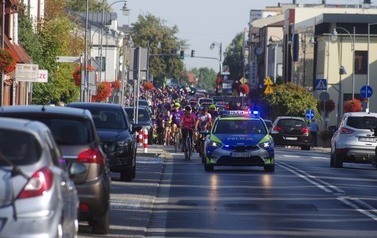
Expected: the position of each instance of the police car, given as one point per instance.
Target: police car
(239, 138)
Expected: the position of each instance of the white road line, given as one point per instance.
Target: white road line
(320, 157)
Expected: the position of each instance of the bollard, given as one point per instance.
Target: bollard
(145, 142)
(140, 138)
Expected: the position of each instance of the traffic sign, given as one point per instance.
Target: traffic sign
(309, 114)
(243, 80)
(268, 81)
(366, 91)
(27, 72)
(268, 90)
(68, 59)
(320, 84)
(324, 96)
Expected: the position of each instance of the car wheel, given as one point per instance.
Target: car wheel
(305, 147)
(126, 174)
(332, 160)
(269, 168)
(134, 171)
(208, 167)
(338, 162)
(101, 224)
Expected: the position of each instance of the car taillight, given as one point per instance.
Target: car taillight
(278, 128)
(305, 130)
(93, 155)
(39, 183)
(344, 130)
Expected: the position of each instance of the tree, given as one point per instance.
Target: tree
(290, 100)
(80, 5)
(57, 36)
(151, 32)
(206, 78)
(234, 57)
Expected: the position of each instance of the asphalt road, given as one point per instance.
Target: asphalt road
(304, 197)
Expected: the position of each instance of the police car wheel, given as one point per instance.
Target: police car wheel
(269, 168)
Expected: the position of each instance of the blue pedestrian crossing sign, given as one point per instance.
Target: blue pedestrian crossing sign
(309, 114)
(320, 84)
(366, 91)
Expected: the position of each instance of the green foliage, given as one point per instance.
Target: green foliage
(234, 56)
(54, 39)
(80, 5)
(290, 100)
(206, 78)
(151, 32)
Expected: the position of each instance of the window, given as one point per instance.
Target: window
(103, 62)
(361, 62)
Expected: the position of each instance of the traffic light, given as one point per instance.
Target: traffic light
(182, 54)
(192, 53)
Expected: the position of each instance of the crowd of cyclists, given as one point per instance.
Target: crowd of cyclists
(176, 118)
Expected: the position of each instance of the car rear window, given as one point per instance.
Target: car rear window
(108, 119)
(362, 122)
(239, 127)
(143, 114)
(19, 148)
(292, 123)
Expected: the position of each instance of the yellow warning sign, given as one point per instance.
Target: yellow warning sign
(268, 81)
(268, 90)
(243, 80)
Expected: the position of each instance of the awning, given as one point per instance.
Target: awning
(18, 50)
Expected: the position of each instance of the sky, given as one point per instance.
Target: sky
(202, 22)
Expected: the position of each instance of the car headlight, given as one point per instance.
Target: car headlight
(267, 144)
(215, 144)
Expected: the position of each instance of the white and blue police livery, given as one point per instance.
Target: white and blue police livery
(239, 138)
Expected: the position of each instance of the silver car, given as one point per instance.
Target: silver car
(354, 141)
(37, 196)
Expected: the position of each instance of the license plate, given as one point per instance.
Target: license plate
(291, 138)
(241, 154)
(367, 139)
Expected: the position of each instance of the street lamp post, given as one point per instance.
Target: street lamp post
(368, 69)
(220, 53)
(335, 33)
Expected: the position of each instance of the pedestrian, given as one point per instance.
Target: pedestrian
(313, 126)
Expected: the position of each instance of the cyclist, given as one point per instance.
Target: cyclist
(175, 116)
(214, 113)
(187, 124)
(203, 122)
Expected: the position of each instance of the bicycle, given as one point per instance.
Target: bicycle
(187, 147)
(176, 141)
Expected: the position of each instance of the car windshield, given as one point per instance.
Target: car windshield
(108, 119)
(362, 122)
(239, 127)
(143, 115)
(18, 147)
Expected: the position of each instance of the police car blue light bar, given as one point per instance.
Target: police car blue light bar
(238, 112)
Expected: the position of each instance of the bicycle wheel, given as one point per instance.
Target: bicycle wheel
(185, 149)
(189, 145)
(176, 142)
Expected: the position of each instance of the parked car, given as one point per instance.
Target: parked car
(37, 196)
(144, 120)
(355, 140)
(291, 131)
(117, 136)
(74, 131)
(268, 124)
(238, 138)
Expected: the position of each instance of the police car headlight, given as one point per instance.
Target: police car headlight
(266, 145)
(215, 144)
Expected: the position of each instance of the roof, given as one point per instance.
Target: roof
(89, 105)
(33, 109)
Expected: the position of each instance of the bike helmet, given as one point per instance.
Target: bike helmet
(212, 106)
(188, 108)
(177, 104)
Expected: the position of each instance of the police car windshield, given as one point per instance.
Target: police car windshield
(239, 126)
